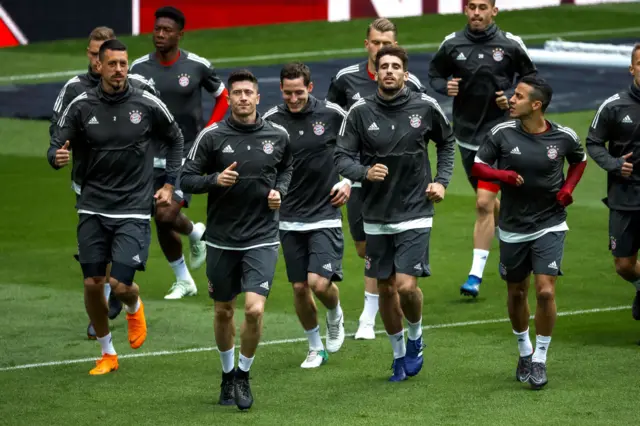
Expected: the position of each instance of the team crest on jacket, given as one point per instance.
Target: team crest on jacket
(267, 147)
(552, 152)
(318, 128)
(183, 80)
(498, 54)
(135, 117)
(415, 120)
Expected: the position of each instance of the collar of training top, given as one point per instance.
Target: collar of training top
(481, 36)
(310, 106)
(247, 128)
(398, 101)
(92, 76)
(114, 98)
(634, 91)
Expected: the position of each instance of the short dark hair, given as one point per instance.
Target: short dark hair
(241, 75)
(295, 70)
(172, 13)
(396, 51)
(636, 47)
(112, 44)
(542, 91)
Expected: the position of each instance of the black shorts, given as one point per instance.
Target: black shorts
(468, 159)
(624, 233)
(231, 272)
(159, 179)
(123, 241)
(354, 215)
(542, 256)
(404, 253)
(318, 251)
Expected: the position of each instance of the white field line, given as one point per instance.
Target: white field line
(319, 53)
(296, 340)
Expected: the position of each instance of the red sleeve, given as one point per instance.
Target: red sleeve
(220, 109)
(574, 174)
(485, 172)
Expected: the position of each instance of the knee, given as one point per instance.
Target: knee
(300, 289)
(485, 204)
(625, 268)
(517, 293)
(407, 287)
(386, 288)
(166, 215)
(119, 289)
(94, 283)
(253, 312)
(545, 294)
(361, 247)
(318, 284)
(223, 312)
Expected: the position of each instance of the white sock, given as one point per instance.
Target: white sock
(479, 261)
(180, 269)
(133, 309)
(228, 359)
(524, 342)
(107, 345)
(415, 330)
(398, 344)
(542, 347)
(334, 314)
(196, 233)
(315, 341)
(370, 307)
(244, 363)
(107, 291)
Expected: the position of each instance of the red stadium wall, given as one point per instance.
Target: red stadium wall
(202, 14)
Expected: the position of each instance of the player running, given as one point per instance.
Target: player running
(75, 86)
(112, 128)
(483, 60)
(617, 122)
(310, 217)
(180, 77)
(347, 87)
(529, 153)
(246, 163)
(383, 144)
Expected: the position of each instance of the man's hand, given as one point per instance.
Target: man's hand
(514, 178)
(626, 170)
(377, 173)
(564, 197)
(502, 101)
(164, 195)
(340, 193)
(274, 199)
(453, 87)
(228, 176)
(62, 155)
(435, 192)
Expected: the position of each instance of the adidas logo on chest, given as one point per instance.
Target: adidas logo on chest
(515, 151)
(627, 120)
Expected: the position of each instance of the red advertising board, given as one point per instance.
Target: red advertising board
(202, 14)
